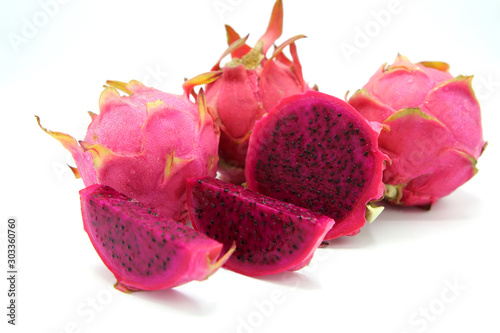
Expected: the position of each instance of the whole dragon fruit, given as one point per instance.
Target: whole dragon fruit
(435, 135)
(145, 145)
(250, 85)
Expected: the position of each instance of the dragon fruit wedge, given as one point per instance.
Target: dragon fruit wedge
(270, 236)
(145, 144)
(250, 85)
(144, 250)
(316, 151)
(435, 136)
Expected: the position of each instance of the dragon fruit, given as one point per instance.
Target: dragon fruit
(435, 135)
(144, 250)
(145, 145)
(250, 85)
(316, 151)
(270, 236)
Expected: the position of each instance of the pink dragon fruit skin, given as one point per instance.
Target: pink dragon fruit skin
(145, 144)
(435, 133)
(250, 85)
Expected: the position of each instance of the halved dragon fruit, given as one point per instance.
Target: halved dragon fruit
(435, 136)
(316, 151)
(144, 250)
(271, 236)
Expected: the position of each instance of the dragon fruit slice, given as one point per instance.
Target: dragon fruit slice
(145, 144)
(435, 135)
(318, 152)
(144, 250)
(250, 85)
(270, 236)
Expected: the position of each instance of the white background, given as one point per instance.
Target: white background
(382, 280)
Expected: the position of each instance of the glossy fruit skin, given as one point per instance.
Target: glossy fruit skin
(434, 135)
(145, 144)
(249, 86)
